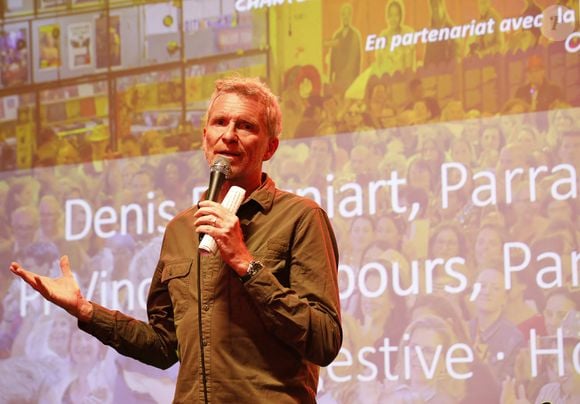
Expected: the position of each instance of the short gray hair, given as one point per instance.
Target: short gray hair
(255, 89)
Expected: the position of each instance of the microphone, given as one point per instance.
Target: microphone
(219, 171)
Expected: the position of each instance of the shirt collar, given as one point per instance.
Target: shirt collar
(264, 194)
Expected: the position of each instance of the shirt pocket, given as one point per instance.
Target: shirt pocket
(177, 276)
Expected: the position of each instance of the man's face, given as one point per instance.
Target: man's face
(59, 335)
(490, 139)
(141, 185)
(354, 115)
(393, 16)
(492, 296)
(360, 160)
(556, 309)
(346, 15)
(446, 244)
(236, 129)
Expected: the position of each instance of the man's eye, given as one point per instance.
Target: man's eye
(219, 122)
(246, 126)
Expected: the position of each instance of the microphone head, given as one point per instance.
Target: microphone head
(222, 165)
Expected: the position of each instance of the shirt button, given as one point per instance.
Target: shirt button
(206, 307)
(204, 342)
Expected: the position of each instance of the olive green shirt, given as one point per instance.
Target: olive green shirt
(263, 340)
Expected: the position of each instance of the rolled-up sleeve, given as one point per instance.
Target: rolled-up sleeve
(305, 314)
(153, 343)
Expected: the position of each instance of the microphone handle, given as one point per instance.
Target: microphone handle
(216, 180)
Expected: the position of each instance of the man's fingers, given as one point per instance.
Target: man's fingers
(27, 276)
(15, 268)
(65, 266)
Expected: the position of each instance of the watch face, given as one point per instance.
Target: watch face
(254, 267)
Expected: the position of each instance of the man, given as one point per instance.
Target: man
(497, 340)
(264, 314)
(491, 43)
(538, 91)
(417, 95)
(312, 118)
(346, 51)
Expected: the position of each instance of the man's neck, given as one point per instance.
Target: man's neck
(248, 187)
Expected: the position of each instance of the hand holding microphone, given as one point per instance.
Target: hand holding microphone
(219, 172)
(231, 202)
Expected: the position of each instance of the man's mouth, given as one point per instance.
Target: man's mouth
(227, 154)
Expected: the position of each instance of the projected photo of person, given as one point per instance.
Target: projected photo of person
(427, 335)
(91, 373)
(49, 46)
(482, 385)
(440, 52)
(345, 51)
(491, 43)
(108, 41)
(537, 90)
(496, 339)
(402, 58)
(14, 55)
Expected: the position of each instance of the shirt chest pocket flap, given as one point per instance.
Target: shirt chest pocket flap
(176, 270)
(176, 276)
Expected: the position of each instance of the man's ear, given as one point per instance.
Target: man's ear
(273, 143)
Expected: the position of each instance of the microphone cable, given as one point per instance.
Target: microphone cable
(201, 346)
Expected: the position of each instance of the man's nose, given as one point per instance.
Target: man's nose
(230, 134)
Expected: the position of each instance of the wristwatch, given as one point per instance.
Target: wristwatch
(253, 269)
